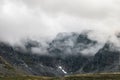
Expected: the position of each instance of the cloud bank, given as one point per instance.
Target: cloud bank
(46, 18)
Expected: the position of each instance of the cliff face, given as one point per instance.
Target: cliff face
(65, 55)
(106, 60)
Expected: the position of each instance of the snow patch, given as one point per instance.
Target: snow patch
(60, 67)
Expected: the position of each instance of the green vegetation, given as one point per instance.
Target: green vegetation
(6, 64)
(7, 70)
(27, 78)
(102, 76)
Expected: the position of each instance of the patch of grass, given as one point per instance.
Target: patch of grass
(9, 67)
(105, 76)
(109, 76)
(6, 64)
(25, 78)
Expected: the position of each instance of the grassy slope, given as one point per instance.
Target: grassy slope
(6, 64)
(102, 76)
(7, 69)
(105, 76)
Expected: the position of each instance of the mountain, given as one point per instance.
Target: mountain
(105, 60)
(68, 53)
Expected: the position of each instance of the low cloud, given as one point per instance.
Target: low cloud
(40, 19)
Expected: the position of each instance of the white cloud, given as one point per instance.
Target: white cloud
(46, 18)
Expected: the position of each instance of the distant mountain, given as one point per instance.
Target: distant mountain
(63, 56)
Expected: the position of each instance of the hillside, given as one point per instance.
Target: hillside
(6, 69)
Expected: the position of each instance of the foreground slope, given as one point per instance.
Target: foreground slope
(102, 76)
(5, 68)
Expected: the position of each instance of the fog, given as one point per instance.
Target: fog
(44, 19)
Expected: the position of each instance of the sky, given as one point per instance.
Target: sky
(46, 18)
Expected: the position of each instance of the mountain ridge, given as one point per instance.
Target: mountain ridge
(64, 56)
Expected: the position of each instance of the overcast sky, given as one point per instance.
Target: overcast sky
(46, 18)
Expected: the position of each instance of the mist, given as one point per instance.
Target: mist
(44, 19)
